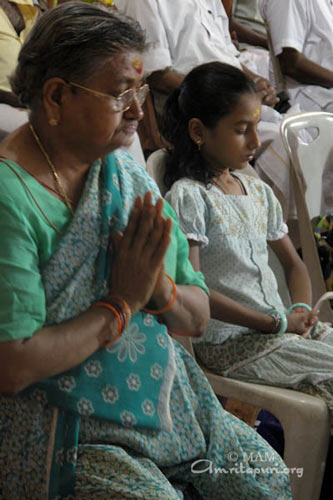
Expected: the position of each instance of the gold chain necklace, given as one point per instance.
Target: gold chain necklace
(61, 189)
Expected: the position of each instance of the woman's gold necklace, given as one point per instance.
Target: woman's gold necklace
(61, 189)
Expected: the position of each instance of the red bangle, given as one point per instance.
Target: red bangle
(117, 315)
(169, 305)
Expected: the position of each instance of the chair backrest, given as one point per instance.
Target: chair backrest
(10, 119)
(155, 166)
(148, 130)
(308, 162)
(310, 159)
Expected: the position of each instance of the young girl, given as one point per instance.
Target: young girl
(229, 217)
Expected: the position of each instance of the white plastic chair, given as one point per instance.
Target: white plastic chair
(305, 419)
(308, 162)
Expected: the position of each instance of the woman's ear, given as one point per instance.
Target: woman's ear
(54, 91)
(196, 131)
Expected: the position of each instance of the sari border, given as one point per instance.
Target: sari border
(163, 404)
(50, 449)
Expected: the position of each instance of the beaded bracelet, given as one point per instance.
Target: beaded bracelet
(122, 319)
(282, 324)
(299, 304)
(169, 305)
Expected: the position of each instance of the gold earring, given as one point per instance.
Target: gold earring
(199, 144)
(53, 122)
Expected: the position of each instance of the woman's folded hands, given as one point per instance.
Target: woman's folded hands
(138, 259)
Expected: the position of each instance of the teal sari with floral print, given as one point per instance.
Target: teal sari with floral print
(129, 382)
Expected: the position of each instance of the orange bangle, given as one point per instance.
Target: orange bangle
(117, 315)
(169, 305)
(126, 310)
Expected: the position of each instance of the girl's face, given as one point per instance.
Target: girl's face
(234, 140)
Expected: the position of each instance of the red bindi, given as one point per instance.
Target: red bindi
(137, 64)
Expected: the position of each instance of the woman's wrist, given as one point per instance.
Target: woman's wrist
(121, 312)
(105, 323)
(164, 299)
(132, 303)
(163, 295)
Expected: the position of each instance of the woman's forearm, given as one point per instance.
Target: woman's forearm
(53, 350)
(190, 313)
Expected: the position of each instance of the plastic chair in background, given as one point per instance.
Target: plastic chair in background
(10, 119)
(308, 162)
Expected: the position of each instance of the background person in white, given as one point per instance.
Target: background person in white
(247, 12)
(248, 24)
(302, 37)
(184, 34)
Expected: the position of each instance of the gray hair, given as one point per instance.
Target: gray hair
(71, 41)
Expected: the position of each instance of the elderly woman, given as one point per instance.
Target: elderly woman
(97, 400)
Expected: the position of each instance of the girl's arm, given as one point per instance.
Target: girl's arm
(296, 273)
(224, 309)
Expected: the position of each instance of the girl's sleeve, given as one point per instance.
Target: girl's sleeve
(276, 227)
(22, 300)
(188, 202)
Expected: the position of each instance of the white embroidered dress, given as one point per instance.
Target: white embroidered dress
(232, 232)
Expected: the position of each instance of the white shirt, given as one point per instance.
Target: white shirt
(306, 26)
(183, 33)
(247, 12)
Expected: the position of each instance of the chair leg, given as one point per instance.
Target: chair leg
(305, 452)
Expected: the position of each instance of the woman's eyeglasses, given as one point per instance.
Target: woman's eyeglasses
(122, 102)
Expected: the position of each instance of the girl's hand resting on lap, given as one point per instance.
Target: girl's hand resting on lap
(138, 261)
(300, 322)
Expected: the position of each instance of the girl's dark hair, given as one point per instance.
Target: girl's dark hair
(72, 41)
(209, 92)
